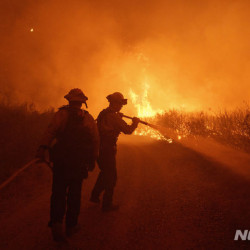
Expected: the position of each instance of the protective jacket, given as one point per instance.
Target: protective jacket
(73, 138)
(110, 125)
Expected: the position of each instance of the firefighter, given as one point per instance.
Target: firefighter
(110, 124)
(73, 141)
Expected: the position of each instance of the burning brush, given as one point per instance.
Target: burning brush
(154, 131)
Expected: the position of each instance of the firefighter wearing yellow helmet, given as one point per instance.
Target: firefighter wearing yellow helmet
(74, 136)
(110, 124)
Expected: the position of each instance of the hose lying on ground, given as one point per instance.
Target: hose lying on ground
(12, 177)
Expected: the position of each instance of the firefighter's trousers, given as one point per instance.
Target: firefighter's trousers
(107, 178)
(66, 197)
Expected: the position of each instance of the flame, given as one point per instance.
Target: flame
(145, 110)
(142, 104)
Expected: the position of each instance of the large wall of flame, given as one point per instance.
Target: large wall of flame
(193, 54)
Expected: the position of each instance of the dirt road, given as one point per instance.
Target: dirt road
(171, 197)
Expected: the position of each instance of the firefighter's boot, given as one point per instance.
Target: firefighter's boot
(57, 232)
(70, 231)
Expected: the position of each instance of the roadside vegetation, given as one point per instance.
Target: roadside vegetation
(22, 126)
(227, 127)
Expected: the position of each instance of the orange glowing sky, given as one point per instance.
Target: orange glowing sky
(193, 54)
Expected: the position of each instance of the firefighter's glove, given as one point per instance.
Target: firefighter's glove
(91, 165)
(135, 120)
(41, 153)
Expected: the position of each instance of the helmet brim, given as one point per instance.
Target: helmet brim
(115, 100)
(81, 99)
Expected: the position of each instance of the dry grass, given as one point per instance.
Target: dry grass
(21, 127)
(231, 128)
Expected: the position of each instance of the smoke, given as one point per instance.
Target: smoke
(192, 54)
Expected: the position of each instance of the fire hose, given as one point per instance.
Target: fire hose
(142, 122)
(32, 162)
(165, 132)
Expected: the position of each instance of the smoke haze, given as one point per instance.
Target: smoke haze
(192, 54)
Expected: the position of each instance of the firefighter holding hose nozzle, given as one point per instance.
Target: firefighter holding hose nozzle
(110, 124)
